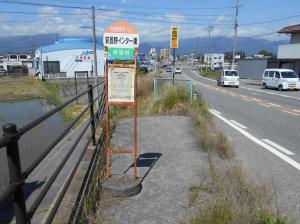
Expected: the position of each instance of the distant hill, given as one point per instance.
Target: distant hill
(200, 45)
(195, 45)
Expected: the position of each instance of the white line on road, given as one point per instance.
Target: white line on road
(259, 142)
(262, 91)
(275, 145)
(238, 124)
(275, 105)
(297, 111)
(215, 111)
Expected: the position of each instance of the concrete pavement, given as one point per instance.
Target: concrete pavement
(178, 159)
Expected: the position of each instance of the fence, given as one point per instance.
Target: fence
(159, 83)
(10, 140)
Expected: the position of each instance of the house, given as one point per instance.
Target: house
(289, 54)
(17, 64)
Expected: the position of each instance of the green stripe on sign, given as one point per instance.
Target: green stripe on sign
(120, 53)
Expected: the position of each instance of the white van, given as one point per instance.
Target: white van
(281, 79)
(229, 78)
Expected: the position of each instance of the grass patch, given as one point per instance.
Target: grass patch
(212, 75)
(21, 88)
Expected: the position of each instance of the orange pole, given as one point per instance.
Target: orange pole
(106, 118)
(135, 111)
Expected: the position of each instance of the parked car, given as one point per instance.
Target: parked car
(3, 72)
(229, 78)
(177, 70)
(280, 79)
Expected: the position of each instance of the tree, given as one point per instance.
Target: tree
(265, 52)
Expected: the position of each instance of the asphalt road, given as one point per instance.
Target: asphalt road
(264, 128)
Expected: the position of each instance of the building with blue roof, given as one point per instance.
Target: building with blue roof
(68, 57)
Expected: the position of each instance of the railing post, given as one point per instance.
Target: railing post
(15, 173)
(91, 103)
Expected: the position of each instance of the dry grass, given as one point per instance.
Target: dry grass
(21, 88)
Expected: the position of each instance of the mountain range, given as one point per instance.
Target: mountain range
(194, 45)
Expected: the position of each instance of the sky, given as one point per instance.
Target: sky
(153, 18)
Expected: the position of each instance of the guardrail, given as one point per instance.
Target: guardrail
(11, 138)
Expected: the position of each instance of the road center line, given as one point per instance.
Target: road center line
(275, 145)
(238, 124)
(275, 105)
(259, 142)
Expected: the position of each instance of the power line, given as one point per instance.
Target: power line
(162, 21)
(271, 21)
(104, 4)
(40, 13)
(41, 4)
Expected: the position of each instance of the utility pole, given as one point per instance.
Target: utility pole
(210, 28)
(95, 52)
(235, 32)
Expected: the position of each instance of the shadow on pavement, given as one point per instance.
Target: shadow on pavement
(7, 210)
(146, 160)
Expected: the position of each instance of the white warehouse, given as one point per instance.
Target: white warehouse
(67, 57)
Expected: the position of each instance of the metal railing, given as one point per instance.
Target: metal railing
(10, 140)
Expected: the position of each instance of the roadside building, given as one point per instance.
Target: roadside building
(215, 61)
(67, 57)
(17, 64)
(253, 68)
(289, 54)
(164, 53)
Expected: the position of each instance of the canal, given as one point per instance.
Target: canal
(36, 140)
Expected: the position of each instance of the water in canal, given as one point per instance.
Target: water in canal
(36, 140)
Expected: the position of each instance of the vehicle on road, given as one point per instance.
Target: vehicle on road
(168, 69)
(281, 79)
(177, 70)
(3, 72)
(229, 78)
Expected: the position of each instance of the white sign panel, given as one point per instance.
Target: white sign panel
(121, 85)
(120, 40)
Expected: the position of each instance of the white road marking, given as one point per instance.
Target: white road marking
(215, 111)
(297, 111)
(275, 145)
(289, 112)
(275, 105)
(277, 94)
(238, 124)
(259, 142)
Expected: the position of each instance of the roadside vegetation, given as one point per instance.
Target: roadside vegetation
(225, 193)
(212, 75)
(22, 88)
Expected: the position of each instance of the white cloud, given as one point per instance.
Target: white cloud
(175, 18)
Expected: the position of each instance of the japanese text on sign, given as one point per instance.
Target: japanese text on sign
(118, 40)
(121, 85)
(174, 37)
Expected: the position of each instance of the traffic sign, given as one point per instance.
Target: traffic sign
(174, 37)
(121, 35)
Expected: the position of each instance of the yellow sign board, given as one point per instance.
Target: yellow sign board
(174, 37)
